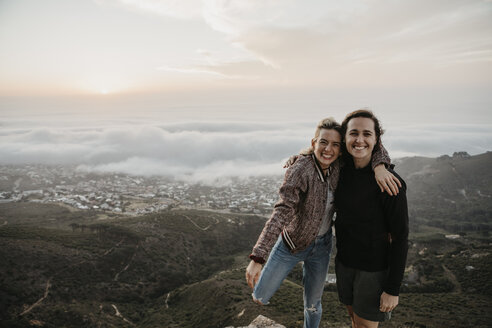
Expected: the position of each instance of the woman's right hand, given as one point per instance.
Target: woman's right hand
(253, 273)
(386, 180)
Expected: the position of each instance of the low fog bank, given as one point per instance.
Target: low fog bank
(205, 151)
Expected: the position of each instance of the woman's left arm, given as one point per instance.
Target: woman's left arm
(396, 217)
(385, 179)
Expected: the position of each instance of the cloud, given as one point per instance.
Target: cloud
(354, 42)
(187, 151)
(376, 38)
(323, 41)
(183, 9)
(245, 70)
(206, 151)
(192, 70)
(435, 140)
(212, 173)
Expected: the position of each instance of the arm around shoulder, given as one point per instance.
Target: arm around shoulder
(380, 156)
(386, 180)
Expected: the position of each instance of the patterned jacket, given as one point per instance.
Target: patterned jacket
(301, 208)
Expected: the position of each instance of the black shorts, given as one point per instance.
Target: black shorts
(362, 290)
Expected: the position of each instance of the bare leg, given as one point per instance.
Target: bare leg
(351, 314)
(363, 323)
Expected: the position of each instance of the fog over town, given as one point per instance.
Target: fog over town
(130, 166)
(208, 152)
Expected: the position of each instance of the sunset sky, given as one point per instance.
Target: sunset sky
(69, 67)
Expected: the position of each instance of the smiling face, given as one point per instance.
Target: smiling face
(360, 140)
(326, 147)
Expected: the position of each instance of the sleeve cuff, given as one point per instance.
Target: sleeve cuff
(395, 291)
(257, 259)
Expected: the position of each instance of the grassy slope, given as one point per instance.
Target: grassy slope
(453, 194)
(225, 300)
(179, 253)
(127, 262)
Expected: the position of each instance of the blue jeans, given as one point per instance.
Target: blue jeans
(315, 267)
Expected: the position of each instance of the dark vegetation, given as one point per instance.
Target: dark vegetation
(129, 262)
(185, 268)
(450, 193)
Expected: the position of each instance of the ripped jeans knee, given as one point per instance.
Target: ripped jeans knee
(258, 300)
(313, 308)
(312, 314)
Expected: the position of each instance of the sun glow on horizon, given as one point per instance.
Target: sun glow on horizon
(264, 58)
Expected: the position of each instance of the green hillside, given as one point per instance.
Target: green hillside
(63, 267)
(453, 193)
(225, 300)
(131, 263)
(186, 269)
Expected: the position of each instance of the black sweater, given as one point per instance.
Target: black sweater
(371, 226)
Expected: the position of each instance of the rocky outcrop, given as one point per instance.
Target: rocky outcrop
(262, 322)
(461, 154)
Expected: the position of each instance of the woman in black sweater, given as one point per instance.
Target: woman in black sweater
(371, 228)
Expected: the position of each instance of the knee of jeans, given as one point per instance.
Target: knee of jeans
(258, 300)
(314, 308)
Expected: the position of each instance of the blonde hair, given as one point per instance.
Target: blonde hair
(328, 123)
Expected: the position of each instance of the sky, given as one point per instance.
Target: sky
(201, 89)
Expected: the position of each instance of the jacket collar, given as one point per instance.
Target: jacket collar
(320, 170)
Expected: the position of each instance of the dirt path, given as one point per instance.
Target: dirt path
(116, 277)
(48, 283)
(46, 292)
(119, 315)
(167, 300)
(196, 225)
(112, 248)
